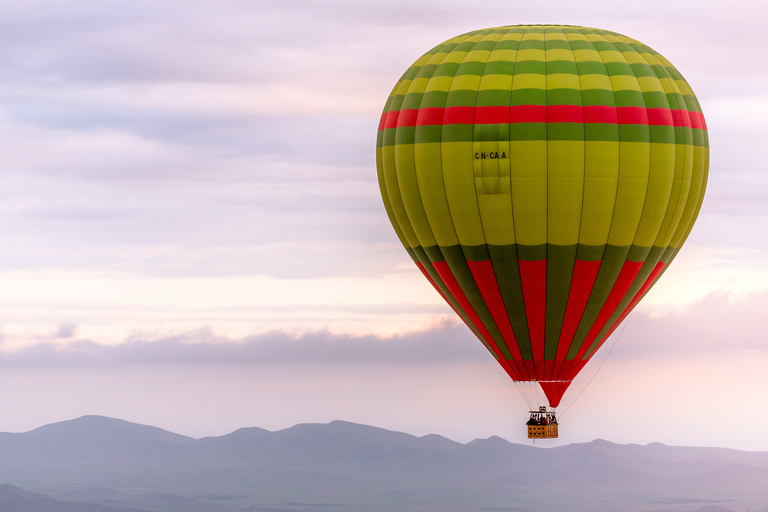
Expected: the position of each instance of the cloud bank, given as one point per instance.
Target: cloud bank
(719, 325)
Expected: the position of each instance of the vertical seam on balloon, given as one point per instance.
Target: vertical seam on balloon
(468, 35)
(599, 340)
(396, 185)
(421, 101)
(605, 247)
(457, 41)
(397, 179)
(511, 200)
(583, 188)
(482, 302)
(671, 228)
(442, 129)
(417, 179)
(566, 365)
(482, 227)
(613, 217)
(416, 175)
(650, 161)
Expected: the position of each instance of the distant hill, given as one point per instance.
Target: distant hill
(350, 467)
(13, 499)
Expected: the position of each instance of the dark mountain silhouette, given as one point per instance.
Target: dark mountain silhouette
(345, 466)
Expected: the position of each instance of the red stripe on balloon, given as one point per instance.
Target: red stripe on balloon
(541, 114)
(459, 115)
(632, 115)
(600, 114)
(574, 368)
(660, 117)
(627, 275)
(528, 114)
(549, 366)
(430, 116)
(491, 115)
(434, 284)
(530, 368)
(482, 272)
(565, 114)
(533, 275)
(681, 118)
(453, 287)
(407, 117)
(697, 120)
(584, 275)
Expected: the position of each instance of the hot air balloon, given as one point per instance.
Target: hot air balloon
(542, 178)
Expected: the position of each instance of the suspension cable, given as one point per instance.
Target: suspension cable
(601, 364)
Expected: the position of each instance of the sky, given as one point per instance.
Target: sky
(193, 236)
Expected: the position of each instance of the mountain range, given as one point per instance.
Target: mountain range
(112, 465)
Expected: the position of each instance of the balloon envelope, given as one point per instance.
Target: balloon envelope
(542, 178)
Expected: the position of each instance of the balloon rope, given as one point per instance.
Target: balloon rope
(519, 388)
(601, 364)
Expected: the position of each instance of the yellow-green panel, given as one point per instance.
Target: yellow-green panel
(418, 85)
(587, 56)
(429, 174)
(664, 236)
(405, 167)
(478, 55)
(662, 172)
(490, 82)
(393, 192)
(554, 36)
(511, 36)
(559, 54)
(454, 57)
(459, 182)
(612, 56)
(529, 81)
(700, 161)
(530, 53)
(601, 177)
(503, 55)
(595, 82)
(633, 57)
(683, 173)
(563, 81)
(565, 191)
(385, 199)
(650, 84)
(634, 166)
(439, 83)
(402, 87)
(528, 170)
(497, 218)
(575, 36)
(702, 189)
(536, 36)
(466, 82)
(624, 83)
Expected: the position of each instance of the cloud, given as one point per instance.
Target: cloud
(444, 343)
(721, 325)
(717, 326)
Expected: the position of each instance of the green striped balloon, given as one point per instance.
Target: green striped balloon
(542, 178)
